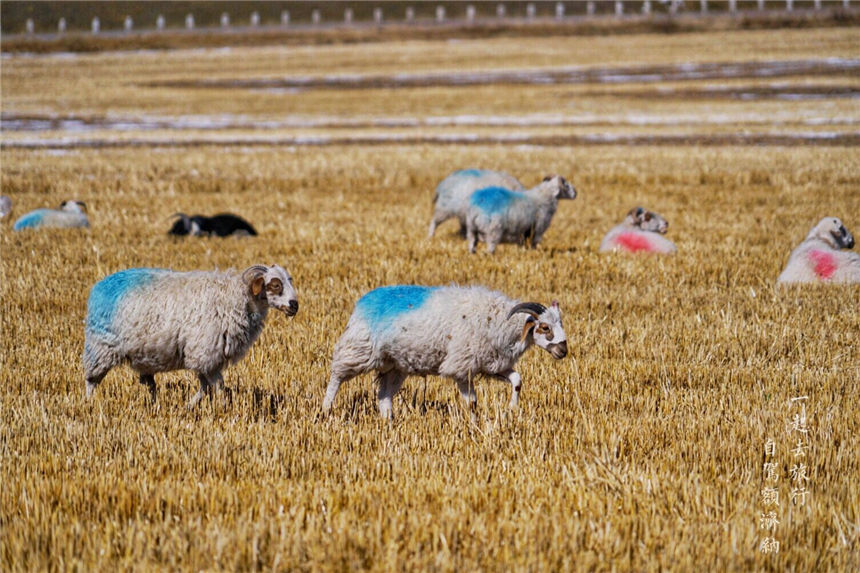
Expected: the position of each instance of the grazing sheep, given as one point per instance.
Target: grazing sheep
(456, 332)
(819, 258)
(221, 225)
(452, 194)
(497, 215)
(641, 231)
(160, 320)
(70, 214)
(5, 206)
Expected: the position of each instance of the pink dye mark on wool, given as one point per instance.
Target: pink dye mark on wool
(634, 242)
(824, 264)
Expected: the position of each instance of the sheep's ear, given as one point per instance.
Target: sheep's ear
(528, 327)
(257, 285)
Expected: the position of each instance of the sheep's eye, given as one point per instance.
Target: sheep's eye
(647, 216)
(275, 286)
(543, 328)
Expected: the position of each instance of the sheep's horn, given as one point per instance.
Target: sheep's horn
(534, 309)
(182, 216)
(250, 271)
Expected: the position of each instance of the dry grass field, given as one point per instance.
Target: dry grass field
(642, 450)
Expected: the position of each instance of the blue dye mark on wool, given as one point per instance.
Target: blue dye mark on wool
(381, 306)
(106, 295)
(494, 200)
(471, 172)
(31, 220)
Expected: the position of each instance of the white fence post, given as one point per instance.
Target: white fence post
(128, 24)
(789, 5)
(410, 13)
(470, 13)
(589, 8)
(61, 26)
(559, 10)
(845, 4)
(733, 6)
(703, 6)
(500, 11)
(225, 20)
(30, 26)
(159, 22)
(817, 4)
(255, 19)
(285, 17)
(760, 4)
(96, 25)
(440, 13)
(377, 16)
(347, 16)
(316, 17)
(189, 21)
(619, 8)
(530, 11)
(646, 7)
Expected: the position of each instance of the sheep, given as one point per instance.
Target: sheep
(451, 331)
(221, 225)
(71, 214)
(819, 258)
(5, 206)
(641, 231)
(497, 215)
(159, 320)
(452, 194)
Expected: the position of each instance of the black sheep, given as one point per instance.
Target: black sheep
(221, 225)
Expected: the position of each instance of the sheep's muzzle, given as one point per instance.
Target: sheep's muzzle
(559, 350)
(291, 309)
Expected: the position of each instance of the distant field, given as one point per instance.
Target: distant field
(643, 450)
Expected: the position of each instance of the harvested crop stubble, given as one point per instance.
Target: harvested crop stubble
(642, 449)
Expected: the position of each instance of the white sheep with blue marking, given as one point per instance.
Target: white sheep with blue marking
(821, 257)
(71, 214)
(457, 332)
(497, 215)
(640, 231)
(452, 194)
(158, 320)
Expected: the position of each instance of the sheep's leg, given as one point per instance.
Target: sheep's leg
(148, 380)
(204, 389)
(467, 391)
(471, 237)
(389, 385)
(516, 384)
(493, 238)
(217, 382)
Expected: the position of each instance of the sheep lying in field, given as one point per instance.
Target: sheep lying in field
(452, 194)
(641, 231)
(457, 332)
(70, 214)
(5, 206)
(819, 257)
(497, 215)
(160, 320)
(221, 225)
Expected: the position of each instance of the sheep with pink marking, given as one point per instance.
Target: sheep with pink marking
(820, 258)
(641, 231)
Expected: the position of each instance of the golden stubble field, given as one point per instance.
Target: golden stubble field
(642, 450)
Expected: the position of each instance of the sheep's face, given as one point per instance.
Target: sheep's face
(274, 286)
(544, 326)
(563, 189)
(548, 332)
(73, 207)
(647, 220)
(832, 231)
